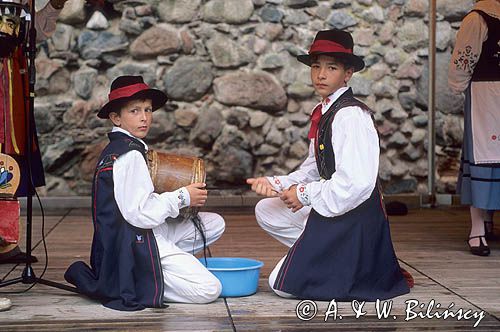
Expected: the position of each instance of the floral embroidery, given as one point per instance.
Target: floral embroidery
(466, 60)
(302, 194)
(182, 199)
(278, 183)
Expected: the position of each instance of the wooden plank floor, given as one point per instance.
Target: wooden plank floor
(430, 243)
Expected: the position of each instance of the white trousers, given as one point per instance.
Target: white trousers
(185, 278)
(282, 224)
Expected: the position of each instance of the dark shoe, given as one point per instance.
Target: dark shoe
(16, 256)
(488, 230)
(482, 249)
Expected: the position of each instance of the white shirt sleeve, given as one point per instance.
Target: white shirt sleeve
(356, 149)
(135, 196)
(306, 173)
(470, 37)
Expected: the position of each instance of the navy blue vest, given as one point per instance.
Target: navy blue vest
(488, 65)
(125, 270)
(348, 257)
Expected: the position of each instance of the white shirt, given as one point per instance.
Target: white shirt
(134, 194)
(356, 149)
(470, 37)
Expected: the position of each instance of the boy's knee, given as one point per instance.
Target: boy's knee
(210, 291)
(262, 209)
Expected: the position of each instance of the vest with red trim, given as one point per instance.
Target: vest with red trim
(125, 270)
(346, 257)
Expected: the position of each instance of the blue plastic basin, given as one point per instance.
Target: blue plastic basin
(238, 276)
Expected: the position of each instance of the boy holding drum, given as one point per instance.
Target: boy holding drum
(140, 253)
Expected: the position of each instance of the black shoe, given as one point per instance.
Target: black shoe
(488, 230)
(16, 256)
(482, 249)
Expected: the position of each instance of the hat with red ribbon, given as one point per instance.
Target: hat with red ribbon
(125, 88)
(336, 43)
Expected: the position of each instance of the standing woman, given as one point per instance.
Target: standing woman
(475, 70)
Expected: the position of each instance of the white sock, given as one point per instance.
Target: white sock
(477, 226)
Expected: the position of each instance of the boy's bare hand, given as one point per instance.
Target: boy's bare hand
(197, 194)
(289, 197)
(262, 186)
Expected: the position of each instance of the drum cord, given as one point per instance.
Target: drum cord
(198, 225)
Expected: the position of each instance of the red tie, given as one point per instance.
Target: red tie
(315, 117)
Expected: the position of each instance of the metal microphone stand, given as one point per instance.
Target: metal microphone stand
(28, 276)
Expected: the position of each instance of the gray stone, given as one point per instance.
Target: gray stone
(341, 19)
(44, 118)
(397, 141)
(266, 150)
(162, 128)
(299, 119)
(300, 3)
(158, 40)
(271, 14)
(62, 37)
(417, 8)
(299, 149)
(73, 12)
(226, 53)
(270, 31)
(385, 88)
(84, 81)
(146, 10)
(376, 72)
(255, 89)
(186, 116)
(283, 123)
(237, 116)
(407, 99)
(341, 3)
(386, 32)
(300, 90)
(178, 11)
(413, 35)
(271, 61)
(231, 162)
(395, 56)
(189, 79)
(374, 14)
(420, 120)
(258, 119)
(384, 168)
(361, 85)
(453, 131)
(454, 10)
(52, 77)
(443, 35)
(418, 136)
(364, 36)
(93, 45)
(295, 17)
(208, 127)
(57, 157)
(133, 68)
(446, 101)
(411, 153)
(275, 137)
(97, 21)
(401, 186)
(228, 11)
(131, 27)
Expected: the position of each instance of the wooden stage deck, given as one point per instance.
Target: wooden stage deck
(430, 243)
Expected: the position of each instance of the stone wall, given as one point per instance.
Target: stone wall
(238, 97)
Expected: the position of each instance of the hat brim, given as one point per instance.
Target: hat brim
(158, 99)
(354, 60)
